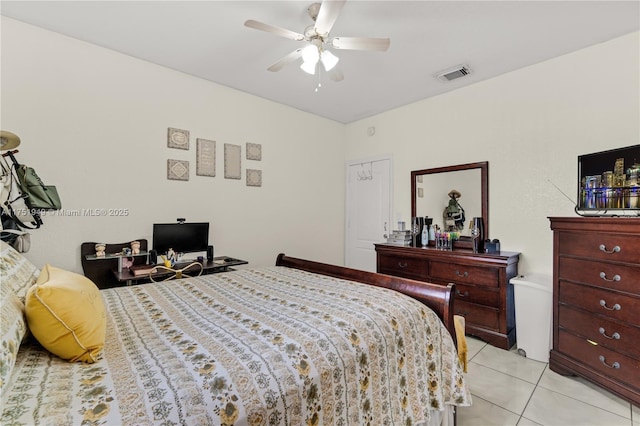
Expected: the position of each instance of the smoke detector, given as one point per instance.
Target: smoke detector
(454, 73)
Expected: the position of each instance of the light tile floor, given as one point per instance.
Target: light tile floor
(509, 389)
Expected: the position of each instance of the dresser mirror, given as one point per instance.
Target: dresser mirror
(430, 189)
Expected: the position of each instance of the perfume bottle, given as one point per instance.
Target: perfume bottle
(425, 235)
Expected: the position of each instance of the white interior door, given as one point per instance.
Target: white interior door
(368, 213)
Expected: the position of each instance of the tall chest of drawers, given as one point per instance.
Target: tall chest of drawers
(596, 302)
(483, 294)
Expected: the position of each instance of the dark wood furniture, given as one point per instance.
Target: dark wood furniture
(596, 302)
(217, 265)
(101, 271)
(481, 185)
(483, 295)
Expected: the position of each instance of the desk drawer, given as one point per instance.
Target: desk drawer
(464, 274)
(406, 267)
(608, 303)
(605, 362)
(602, 274)
(477, 314)
(601, 246)
(616, 336)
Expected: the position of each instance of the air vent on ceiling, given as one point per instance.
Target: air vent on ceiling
(454, 73)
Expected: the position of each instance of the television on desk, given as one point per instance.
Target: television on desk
(609, 182)
(182, 237)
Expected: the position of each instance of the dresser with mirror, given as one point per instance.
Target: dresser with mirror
(484, 295)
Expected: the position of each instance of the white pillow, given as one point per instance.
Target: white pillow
(16, 271)
(13, 327)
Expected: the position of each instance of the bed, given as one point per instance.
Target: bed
(298, 343)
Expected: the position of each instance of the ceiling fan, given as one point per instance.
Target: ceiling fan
(318, 40)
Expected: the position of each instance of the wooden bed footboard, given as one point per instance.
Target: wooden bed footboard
(437, 297)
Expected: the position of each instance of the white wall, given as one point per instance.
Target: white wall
(94, 123)
(530, 125)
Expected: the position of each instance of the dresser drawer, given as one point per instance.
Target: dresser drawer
(464, 274)
(605, 362)
(601, 246)
(611, 334)
(603, 274)
(479, 295)
(406, 267)
(608, 303)
(478, 314)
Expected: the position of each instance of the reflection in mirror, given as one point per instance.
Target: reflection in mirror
(430, 189)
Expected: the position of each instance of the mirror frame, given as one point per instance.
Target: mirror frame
(484, 187)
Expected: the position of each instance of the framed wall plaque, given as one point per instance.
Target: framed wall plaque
(205, 157)
(232, 169)
(254, 177)
(177, 170)
(178, 138)
(254, 151)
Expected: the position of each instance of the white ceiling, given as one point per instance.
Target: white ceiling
(208, 39)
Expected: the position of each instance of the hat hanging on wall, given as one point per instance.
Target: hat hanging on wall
(8, 140)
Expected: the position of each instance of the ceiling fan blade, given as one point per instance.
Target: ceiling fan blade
(335, 74)
(361, 43)
(282, 32)
(286, 60)
(327, 15)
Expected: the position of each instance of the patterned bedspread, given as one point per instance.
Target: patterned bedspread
(265, 346)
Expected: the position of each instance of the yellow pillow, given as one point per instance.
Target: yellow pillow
(65, 312)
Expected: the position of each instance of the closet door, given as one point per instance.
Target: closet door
(368, 211)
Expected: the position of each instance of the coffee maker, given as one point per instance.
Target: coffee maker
(416, 229)
(417, 225)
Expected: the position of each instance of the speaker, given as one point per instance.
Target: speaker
(153, 257)
(210, 253)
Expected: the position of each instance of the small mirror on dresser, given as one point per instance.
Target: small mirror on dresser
(430, 189)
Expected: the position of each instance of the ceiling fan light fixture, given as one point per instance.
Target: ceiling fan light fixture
(310, 57)
(329, 60)
(310, 54)
(308, 67)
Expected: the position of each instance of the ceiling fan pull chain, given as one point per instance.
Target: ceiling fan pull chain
(319, 83)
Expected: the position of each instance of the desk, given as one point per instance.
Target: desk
(100, 269)
(217, 265)
(117, 256)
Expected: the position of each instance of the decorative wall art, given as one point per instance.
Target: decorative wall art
(232, 154)
(177, 138)
(177, 170)
(254, 151)
(254, 177)
(205, 157)
(420, 192)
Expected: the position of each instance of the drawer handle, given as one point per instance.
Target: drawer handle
(603, 248)
(402, 264)
(464, 274)
(614, 336)
(604, 361)
(615, 307)
(616, 277)
(465, 294)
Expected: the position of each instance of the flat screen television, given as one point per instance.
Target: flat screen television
(609, 182)
(181, 237)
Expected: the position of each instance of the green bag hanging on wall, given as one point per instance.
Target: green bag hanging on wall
(38, 196)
